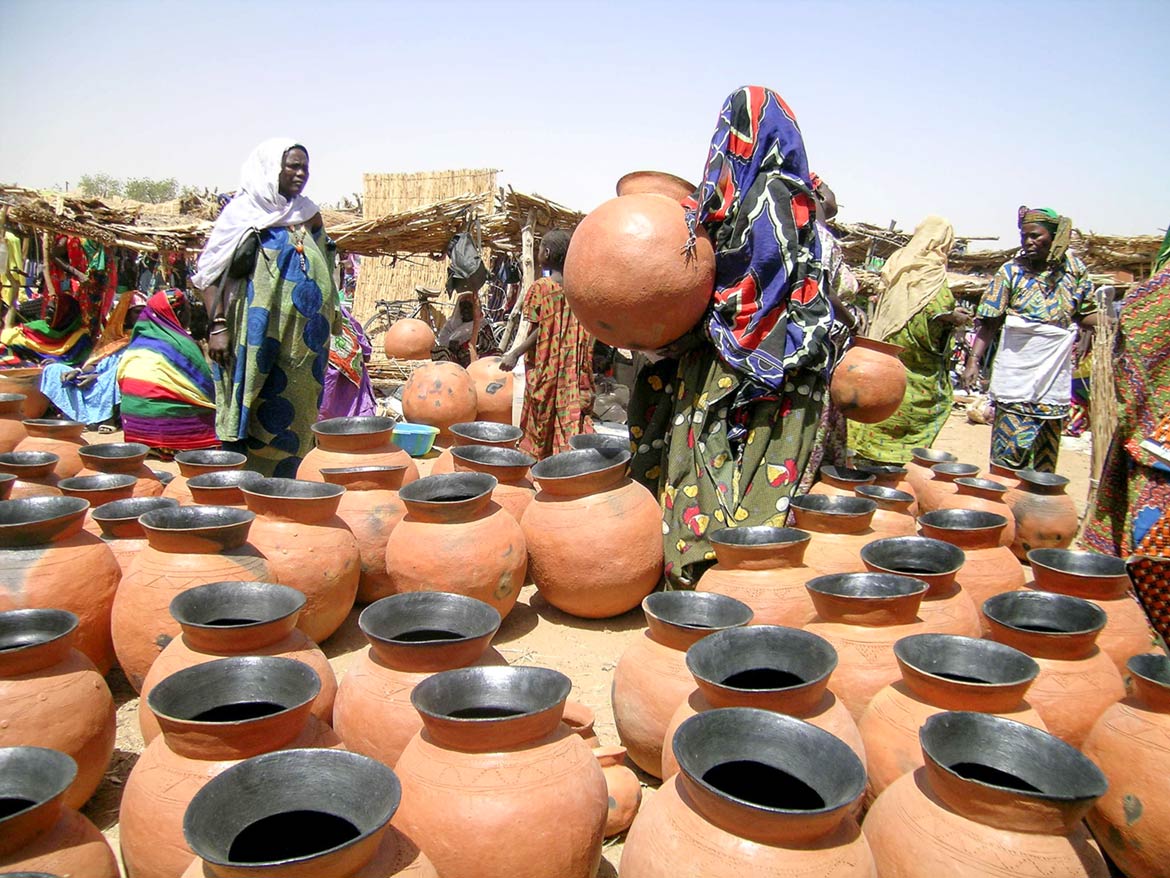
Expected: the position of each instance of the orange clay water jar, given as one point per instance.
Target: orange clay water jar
(839, 527)
(120, 528)
(869, 382)
(990, 567)
(493, 390)
(1046, 517)
(409, 339)
(357, 441)
(893, 516)
(839, 481)
(764, 568)
(489, 433)
(196, 463)
(122, 458)
(439, 394)
(56, 436)
(372, 509)
(221, 488)
(33, 474)
(946, 607)
(983, 495)
(919, 474)
(11, 429)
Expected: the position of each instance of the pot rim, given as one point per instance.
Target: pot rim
(1040, 479)
(102, 450)
(1153, 667)
(39, 510)
(894, 543)
(184, 605)
(308, 681)
(55, 625)
(118, 510)
(356, 425)
(584, 462)
(982, 484)
(1049, 559)
(417, 491)
(824, 504)
(876, 492)
(996, 607)
(697, 658)
(952, 520)
(174, 519)
(483, 619)
(210, 457)
(906, 653)
(740, 536)
(893, 585)
(556, 684)
(662, 605)
(59, 770)
(98, 482)
(290, 489)
(930, 456)
(479, 432)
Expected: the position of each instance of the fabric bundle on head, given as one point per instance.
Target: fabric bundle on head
(912, 276)
(1059, 226)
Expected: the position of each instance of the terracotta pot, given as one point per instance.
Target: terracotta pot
(1005, 475)
(656, 183)
(995, 797)
(1046, 517)
(580, 719)
(839, 481)
(39, 833)
(763, 567)
(758, 793)
(48, 561)
(476, 433)
(893, 516)
(412, 636)
(213, 716)
(221, 488)
(943, 486)
(493, 390)
(371, 509)
(409, 339)
(97, 491)
(301, 814)
(1077, 681)
(27, 382)
(495, 756)
(197, 463)
(941, 672)
(1103, 580)
(439, 394)
(52, 696)
(839, 527)
(56, 436)
(990, 567)
(7, 482)
(455, 539)
(120, 529)
(594, 535)
(946, 607)
(308, 547)
(603, 442)
(869, 382)
(782, 670)
(34, 472)
(623, 788)
(122, 458)
(628, 277)
(186, 546)
(513, 491)
(225, 619)
(982, 495)
(358, 441)
(651, 679)
(11, 413)
(1128, 744)
(919, 473)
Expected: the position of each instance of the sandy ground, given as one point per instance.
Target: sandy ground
(533, 634)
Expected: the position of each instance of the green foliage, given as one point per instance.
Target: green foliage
(151, 191)
(100, 185)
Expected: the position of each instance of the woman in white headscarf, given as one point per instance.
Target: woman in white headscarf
(267, 280)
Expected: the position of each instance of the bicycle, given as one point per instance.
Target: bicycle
(424, 308)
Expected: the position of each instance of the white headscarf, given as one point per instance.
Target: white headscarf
(258, 205)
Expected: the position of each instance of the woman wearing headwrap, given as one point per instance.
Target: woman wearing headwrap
(916, 310)
(271, 322)
(723, 427)
(1035, 303)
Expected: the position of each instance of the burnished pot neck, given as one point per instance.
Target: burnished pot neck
(577, 473)
(984, 489)
(235, 617)
(870, 599)
(1035, 482)
(28, 465)
(448, 497)
(221, 488)
(1008, 775)
(1088, 575)
(37, 778)
(292, 499)
(966, 528)
(821, 513)
(678, 619)
(935, 562)
(759, 547)
(119, 519)
(192, 463)
(885, 475)
(928, 457)
(509, 466)
(845, 478)
(605, 443)
(32, 640)
(888, 499)
(949, 471)
(355, 434)
(365, 478)
(198, 530)
(37, 521)
(487, 433)
(100, 488)
(963, 673)
(114, 457)
(428, 631)
(1151, 680)
(54, 428)
(1045, 625)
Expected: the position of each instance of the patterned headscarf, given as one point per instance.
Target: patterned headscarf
(1059, 226)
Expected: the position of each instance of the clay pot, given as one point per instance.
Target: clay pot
(357, 441)
(122, 458)
(767, 667)
(839, 481)
(1005, 475)
(887, 475)
(893, 516)
(1103, 580)
(982, 495)
(27, 382)
(1077, 681)
(412, 636)
(946, 607)
(493, 390)
(213, 716)
(651, 679)
(34, 472)
(455, 539)
(869, 382)
(48, 561)
(919, 473)
(943, 486)
(605, 443)
(221, 488)
(97, 491)
(839, 527)
(56, 436)
(513, 490)
(372, 509)
(120, 528)
(494, 756)
(476, 433)
(186, 546)
(941, 672)
(225, 619)
(764, 568)
(409, 339)
(1046, 517)
(439, 394)
(594, 535)
(656, 183)
(623, 788)
(7, 482)
(990, 568)
(1127, 743)
(580, 719)
(629, 278)
(301, 814)
(11, 429)
(197, 463)
(757, 793)
(52, 696)
(39, 833)
(995, 797)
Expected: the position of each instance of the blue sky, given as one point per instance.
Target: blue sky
(967, 109)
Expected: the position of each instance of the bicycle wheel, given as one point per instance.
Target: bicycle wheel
(385, 314)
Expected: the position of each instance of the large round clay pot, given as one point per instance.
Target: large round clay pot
(919, 473)
(52, 696)
(57, 436)
(372, 509)
(655, 182)
(301, 814)
(513, 491)
(946, 606)
(98, 490)
(982, 495)
(120, 528)
(839, 527)
(1128, 744)
(357, 441)
(34, 472)
(11, 429)
(839, 481)
(629, 277)
(869, 382)
(1046, 517)
(1103, 580)
(941, 672)
(943, 486)
(783, 670)
(989, 568)
(225, 619)
(764, 568)
(39, 834)
(995, 797)
(222, 488)
(409, 339)
(412, 636)
(196, 463)
(26, 381)
(48, 561)
(439, 394)
(493, 390)
(757, 793)
(476, 433)
(454, 538)
(651, 679)
(493, 756)
(594, 535)
(308, 547)
(1077, 681)
(213, 716)
(122, 458)
(893, 516)
(186, 546)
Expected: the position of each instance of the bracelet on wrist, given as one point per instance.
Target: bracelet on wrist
(218, 331)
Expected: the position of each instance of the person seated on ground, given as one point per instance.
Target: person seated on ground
(60, 336)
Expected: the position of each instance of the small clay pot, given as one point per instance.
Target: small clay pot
(1046, 517)
(463, 435)
(57, 436)
(839, 481)
(123, 458)
(34, 472)
(119, 526)
(196, 463)
(409, 339)
(656, 183)
(919, 473)
(580, 719)
(893, 516)
(513, 490)
(869, 382)
(221, 488)
(372, 509)
(839, 527)
(11, 429)
(439, 394)
(357, 441)
(623, 786)
(764, 568)
(946, 606)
